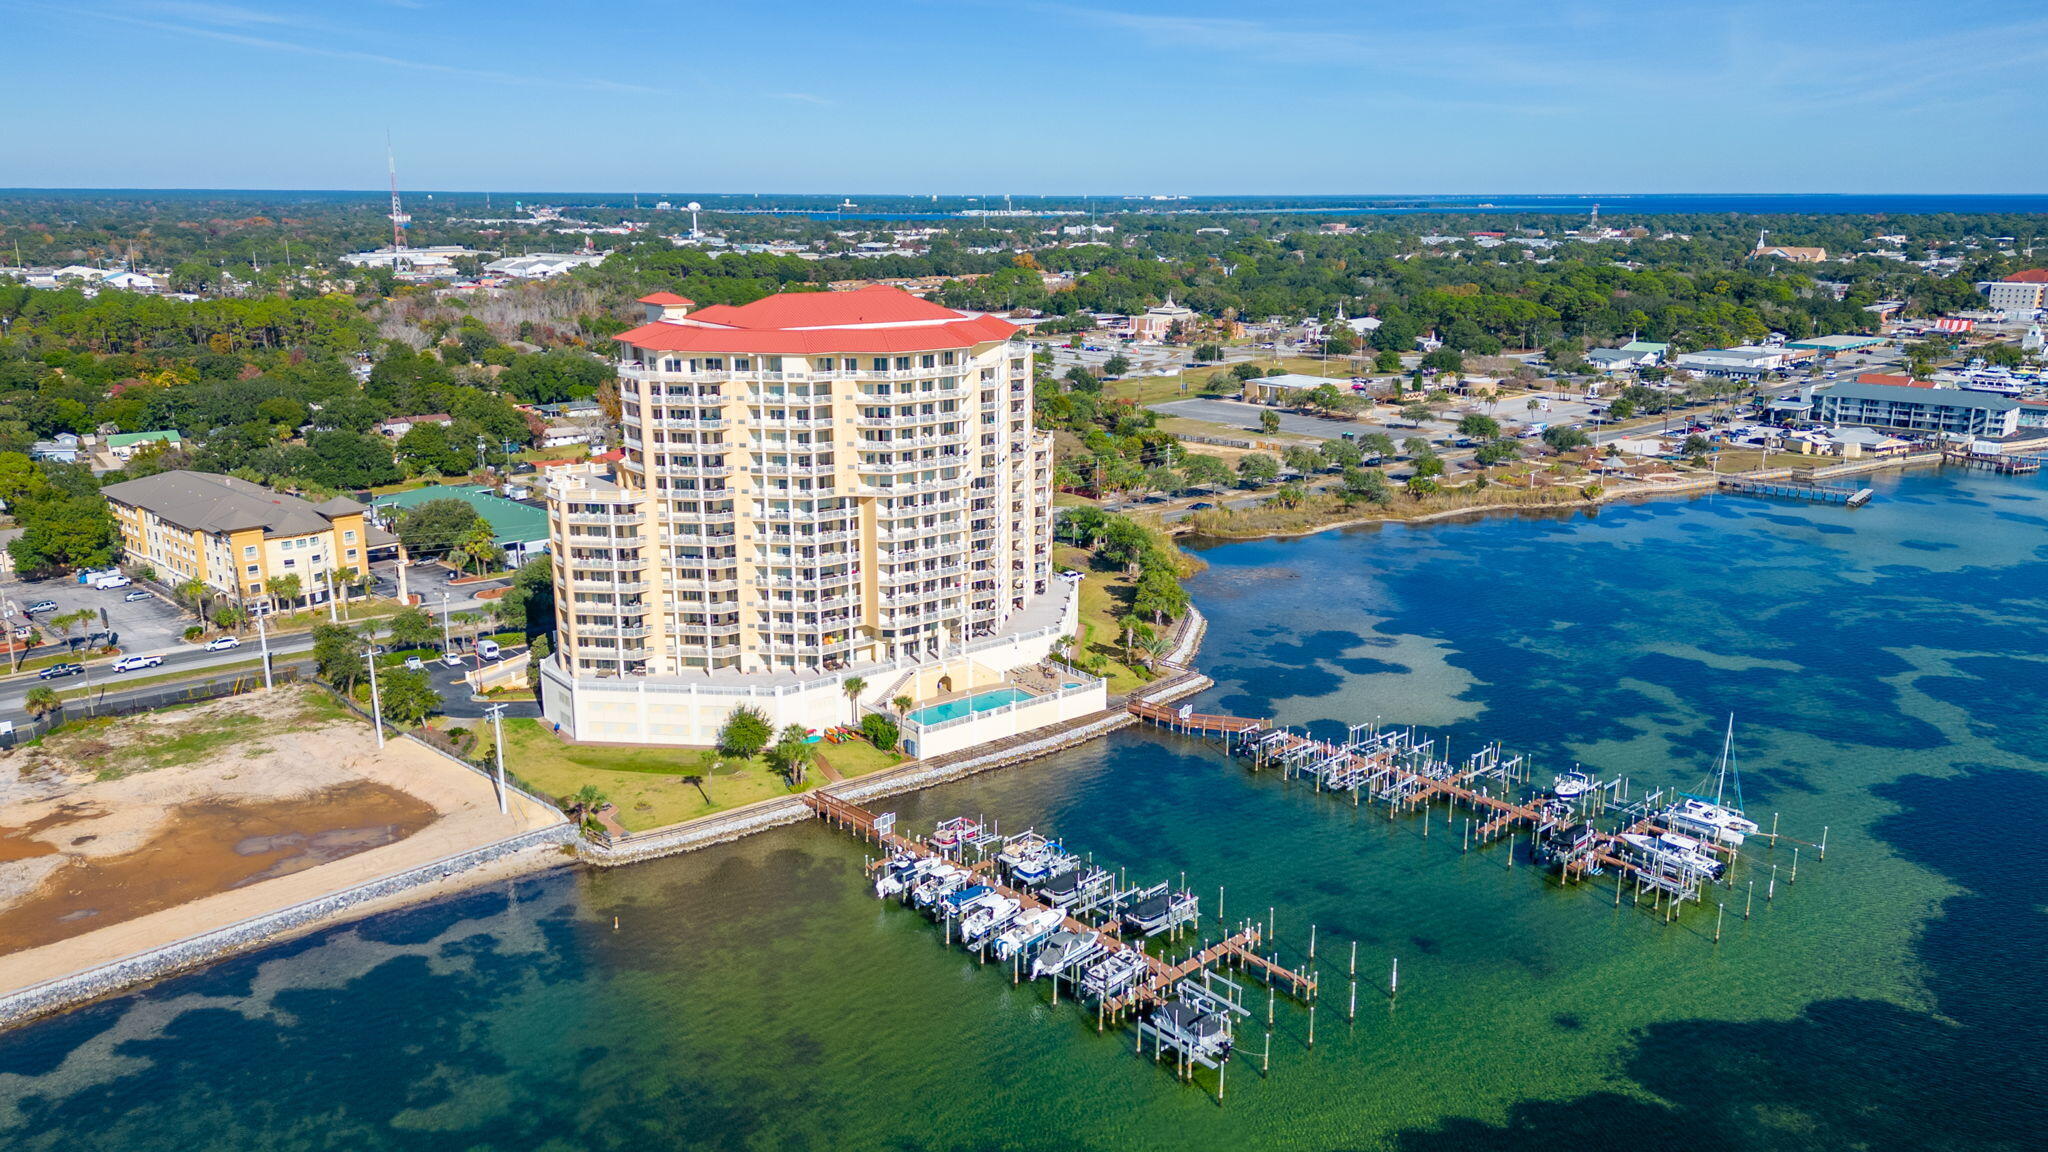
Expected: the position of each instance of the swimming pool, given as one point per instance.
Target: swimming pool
(979, 702)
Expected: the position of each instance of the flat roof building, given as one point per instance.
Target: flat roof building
(520, 529)
(1952, 410)
(2020, 294)
(1831, 345)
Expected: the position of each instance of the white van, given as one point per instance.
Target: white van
(115, 581)
(488, 649)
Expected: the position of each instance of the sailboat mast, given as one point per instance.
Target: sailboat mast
(1727, 746)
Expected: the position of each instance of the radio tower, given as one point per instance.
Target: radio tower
(399, 220)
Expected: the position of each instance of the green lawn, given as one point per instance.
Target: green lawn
(1104, 597)
(647, 783)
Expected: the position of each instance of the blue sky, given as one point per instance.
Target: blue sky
(966, 97)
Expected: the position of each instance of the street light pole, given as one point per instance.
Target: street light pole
(376, 705)
(444, 623)
(497, 714)
(263, 639)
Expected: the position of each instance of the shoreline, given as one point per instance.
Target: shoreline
(559, 846)
(1695, 486)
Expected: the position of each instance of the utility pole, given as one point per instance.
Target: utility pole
(263, 639)
(497, 714)
(444, 624)
(376, 706)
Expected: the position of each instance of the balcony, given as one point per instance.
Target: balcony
(602, 517)
(597, 564)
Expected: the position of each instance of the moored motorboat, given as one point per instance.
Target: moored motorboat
(1027, 931)
(1196, 1029)
(1572, 785)
(1063, 950)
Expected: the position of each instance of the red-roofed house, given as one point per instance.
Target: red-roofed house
(1894, 381)
(813, 485)
(2020, 294)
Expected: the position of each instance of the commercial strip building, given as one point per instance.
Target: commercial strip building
(1836, 345)
(1286, 388)
(814, 486)
(235, 537)
(1979, 415)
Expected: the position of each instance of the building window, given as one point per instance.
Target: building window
(253, 570)
(349, 537)
(248, 551)
(880, 364)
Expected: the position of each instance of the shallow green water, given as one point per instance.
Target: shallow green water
(1888, 670)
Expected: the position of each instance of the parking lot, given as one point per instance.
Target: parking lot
(152, 625)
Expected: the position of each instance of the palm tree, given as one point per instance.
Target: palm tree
(478, 545)
(1133, 627)
(41, 701)
(194, 593)
(1154, 645)
(791, 755)
(341, 582)
(285, 588)
(853, 686)
(902, 705)
(584, 803)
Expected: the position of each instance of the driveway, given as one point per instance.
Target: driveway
(152, 625)
(456, 700)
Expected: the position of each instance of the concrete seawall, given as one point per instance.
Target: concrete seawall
(194, 951)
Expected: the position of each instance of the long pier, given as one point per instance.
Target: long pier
(1404, 771)
(1800, 490)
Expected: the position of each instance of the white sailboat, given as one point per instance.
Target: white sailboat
(1715, 819)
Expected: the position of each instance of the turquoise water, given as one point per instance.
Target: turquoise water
(1888, 668)
(979, 702)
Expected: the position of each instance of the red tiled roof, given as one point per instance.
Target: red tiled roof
(2030, 276)
(873, 319)
(873, 304)
(1892, 380)
(665, 298)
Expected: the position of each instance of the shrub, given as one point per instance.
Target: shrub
(745, 732)
(880, 731)
(194, 632)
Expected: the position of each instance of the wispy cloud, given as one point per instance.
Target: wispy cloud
(220, 15)
(801, 98)
(224, 15)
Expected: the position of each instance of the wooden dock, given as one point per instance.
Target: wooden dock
(1996, 462)
(1240, 948)
(1184, 720)
(1797, 489)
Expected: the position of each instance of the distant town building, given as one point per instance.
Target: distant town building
(543, 265)
(1284, 389)
(520, 530)
(1795, 254)
(1835, 345)
(124, 445)
(1158, 322)
(235, 536)
(1742, 363)
(435, 261)
(398, 426)
(2020, 294)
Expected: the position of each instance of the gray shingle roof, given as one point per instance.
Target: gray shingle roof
(204, 502)
(1898, 394)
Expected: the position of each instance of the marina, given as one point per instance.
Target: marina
(995, 896)
(1671, 847)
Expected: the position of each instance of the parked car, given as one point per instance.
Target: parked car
(131, 663)
(138, 594)
(452, 659)
(223, 643)
(112, 582)
(415, 664)
(1204, 506)
(41, 606)
(56, 670)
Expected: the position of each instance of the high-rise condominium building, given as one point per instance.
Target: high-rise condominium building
(811, 483)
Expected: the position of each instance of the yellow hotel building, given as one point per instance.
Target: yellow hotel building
(235, 536)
